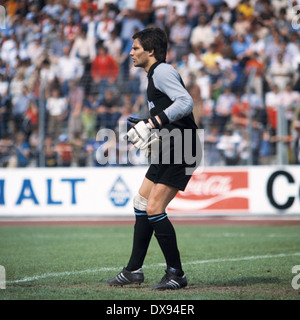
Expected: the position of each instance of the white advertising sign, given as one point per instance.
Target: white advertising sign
(109, 191)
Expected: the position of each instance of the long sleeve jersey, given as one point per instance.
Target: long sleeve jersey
(168, 98)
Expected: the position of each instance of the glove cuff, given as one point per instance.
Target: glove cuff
(155, 122)
(163, 118)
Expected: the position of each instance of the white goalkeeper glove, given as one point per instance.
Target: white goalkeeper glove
(140, 134)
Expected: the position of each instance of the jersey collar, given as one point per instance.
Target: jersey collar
(151, 70)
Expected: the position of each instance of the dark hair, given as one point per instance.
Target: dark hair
(153, 39)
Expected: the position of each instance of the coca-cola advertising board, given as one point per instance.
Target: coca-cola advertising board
(214, 191)
(241, 190)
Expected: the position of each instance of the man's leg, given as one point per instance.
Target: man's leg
(142, 229)
(159, 198)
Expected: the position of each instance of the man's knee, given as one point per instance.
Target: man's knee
(153, 208)
(140, 203)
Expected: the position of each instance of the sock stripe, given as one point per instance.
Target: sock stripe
(139, 212)
(157, 217)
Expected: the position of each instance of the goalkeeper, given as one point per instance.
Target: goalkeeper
(170, 108)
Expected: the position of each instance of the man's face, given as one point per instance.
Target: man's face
(140, 57)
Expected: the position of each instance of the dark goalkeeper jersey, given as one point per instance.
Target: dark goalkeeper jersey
(168, 98)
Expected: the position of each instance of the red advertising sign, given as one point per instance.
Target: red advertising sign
(212, 191)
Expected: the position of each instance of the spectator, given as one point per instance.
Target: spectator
(222, 109)
(197, 8)
(160, 12)
(273, 43)
(89, 121)
(51, 157)
(212, 153)
(104, 71)
(296, 145)
(195, 92)
(114, 45)
(64, 151)
(47, 73)
(241, 26)
(246, 9)
(282, 23)
(3, 117)
(179, 37)
(30, 118)
(265, 152)
(71, 29)
(22, 150)
(240, 113)
(79, 153)
(240, 47)
(16, 86)
(75, 99)
(144, 10)
(256, 106)
(289, 100)
(273, 102)
(255, 63)
(57, 107)
(36, 49)
(68, 68)
(105, 26)
(19, 109)
(83, 47)
(297, 79)
(128, 23)
(257, 46)
(86, 6)
(224, 13)
(229, 146)
(216, 81)
(7, 158)
(211, 57)
(244, 149)
(202, 34)
(280, 73)
(34, 141)
(255, 140)
(108, 112)
(57, 46)
(194, 62)
(8, 50)
(52, 9)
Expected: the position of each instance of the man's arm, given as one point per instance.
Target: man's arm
(167, 80)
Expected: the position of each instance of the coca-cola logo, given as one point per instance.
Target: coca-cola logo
(227, 190)
(207, 186)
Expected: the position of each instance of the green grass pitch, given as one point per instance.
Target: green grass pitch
(221, 263)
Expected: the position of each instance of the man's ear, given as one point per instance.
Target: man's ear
(151, 53)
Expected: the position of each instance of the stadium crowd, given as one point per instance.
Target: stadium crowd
(65, 71)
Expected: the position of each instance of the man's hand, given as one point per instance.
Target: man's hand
(140, 134)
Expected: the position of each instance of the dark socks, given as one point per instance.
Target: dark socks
(142, 235)
(166, 237)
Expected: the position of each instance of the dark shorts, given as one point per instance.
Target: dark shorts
(173, 172)
(173, 175)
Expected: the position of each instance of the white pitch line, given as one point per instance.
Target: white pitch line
(68, 273)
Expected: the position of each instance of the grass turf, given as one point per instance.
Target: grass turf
(221, 263)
